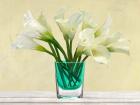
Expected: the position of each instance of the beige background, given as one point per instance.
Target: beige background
(32, 70)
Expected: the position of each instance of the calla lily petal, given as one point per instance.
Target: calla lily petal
(86, 37)
(104, 30)
(108, 39)
(36, 28)
(42, 20)
(60, 13)
(88, 22)
(75, 20)
(70, 25)
(65, 28)
(101, 54)
(122, 46)
(24, 42)
(33, 24)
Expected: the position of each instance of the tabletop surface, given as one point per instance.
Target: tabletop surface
(89, 97)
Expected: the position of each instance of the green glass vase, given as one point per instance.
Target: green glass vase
(69, 79)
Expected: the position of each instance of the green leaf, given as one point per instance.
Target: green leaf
(40, 48)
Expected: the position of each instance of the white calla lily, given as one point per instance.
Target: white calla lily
(121, 45)
(70, 25)
(86, 39)
(32, 29)
(105, 28)
(36, 28)
(88, 21)
(100, 47)
(100, 54)
(33, 25)
(65, 28)
(24, 42)
(91, 48)
(114, 43)
(107, 39)
(42, 20)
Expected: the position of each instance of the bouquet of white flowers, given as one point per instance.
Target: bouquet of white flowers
(94, 41)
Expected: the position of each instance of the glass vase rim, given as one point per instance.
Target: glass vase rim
(67, 62)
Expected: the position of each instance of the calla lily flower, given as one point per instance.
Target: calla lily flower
(105, 28)
(114, 43)
(87, 45)
(121, 45)
(88, 21)
(36, 28)
(100, 54)
(42, 20)
(69, 25)
(102, 45)
(33, 29)
(86, 37)
(24, 42)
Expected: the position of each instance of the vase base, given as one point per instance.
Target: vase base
(75, 93)
(68, 97)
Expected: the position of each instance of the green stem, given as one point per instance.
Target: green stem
(68, 50)
(51, 47)
(71, 49)
(79, 58)
(62, 76)
(57, 52)
(55, 42)
(75, 55)
(85, 58)
(67, 70)
(53, 50)
(51, 54)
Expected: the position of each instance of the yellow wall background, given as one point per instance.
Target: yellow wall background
(32, 70)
